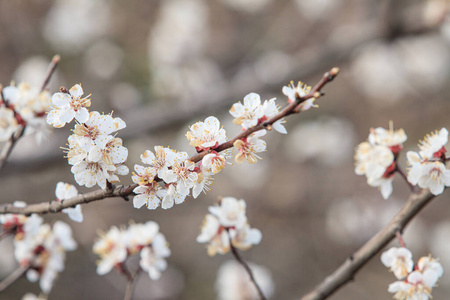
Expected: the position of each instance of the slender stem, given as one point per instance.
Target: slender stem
(246, 267)
(346, 272)
(403, 175)
(7, 149)
(399, 237)
(13, 277)
(4, 234)
(122, 268)
(51, 71)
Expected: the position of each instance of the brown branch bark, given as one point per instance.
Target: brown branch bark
(356, 261)
(125, 191)
(13, 277)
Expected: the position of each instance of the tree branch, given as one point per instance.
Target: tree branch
(246, 267)
(125, 191)
(355, 262)
(13, 277)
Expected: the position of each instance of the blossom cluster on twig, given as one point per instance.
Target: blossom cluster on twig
(96, 155)
(118, 244)
(38, 247)
(377, 159)
(226, 225)
(414, 281)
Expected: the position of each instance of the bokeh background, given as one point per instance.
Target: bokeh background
(163, 65)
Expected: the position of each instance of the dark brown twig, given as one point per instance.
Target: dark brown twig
(246, 267)
(51, 70)
(346, 272)
(7, 149)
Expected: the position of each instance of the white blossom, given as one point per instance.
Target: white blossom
(271, 110)
(249, 113)
(399, 261)
(111, 248)
(153, 257)
(248, 147)
(427, 174)
(213, 162)
(433, 144)
(202, 184)
(8, 123)
(208, 134)
(299, 91)
(68, 106)
(164, 158)
(65, 191)
(227, 222)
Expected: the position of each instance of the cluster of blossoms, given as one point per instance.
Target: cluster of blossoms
(116, 245)
(414, 282)
(227, 223)
(427, 168)
(233, 283)
(170, 175)
(23, 105)
(38, 247)
(96, 155)
(177, 173)
(377, 158)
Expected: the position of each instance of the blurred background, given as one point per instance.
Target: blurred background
(163, 65)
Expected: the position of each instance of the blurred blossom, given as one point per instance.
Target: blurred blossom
(103, 59)
(426, 59)
(33, 71)
(272, 66)
(352, 222)
(197, 76)
(249, 6)
(440, 246)
(434, 11)
(176, 63)
(72, 24)
(172, 39)
(233, 282)
(328, 141)
(250, 176)
(315, 9)
(377, 68)
(124, 96)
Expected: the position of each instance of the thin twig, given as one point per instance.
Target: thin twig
(246, 267)
(51, 71)
(7, 149)
(4, 234)
(125, 191)
(355, 262)
(130, 285)
(13, 277)
(399, 236)
(403, 175)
